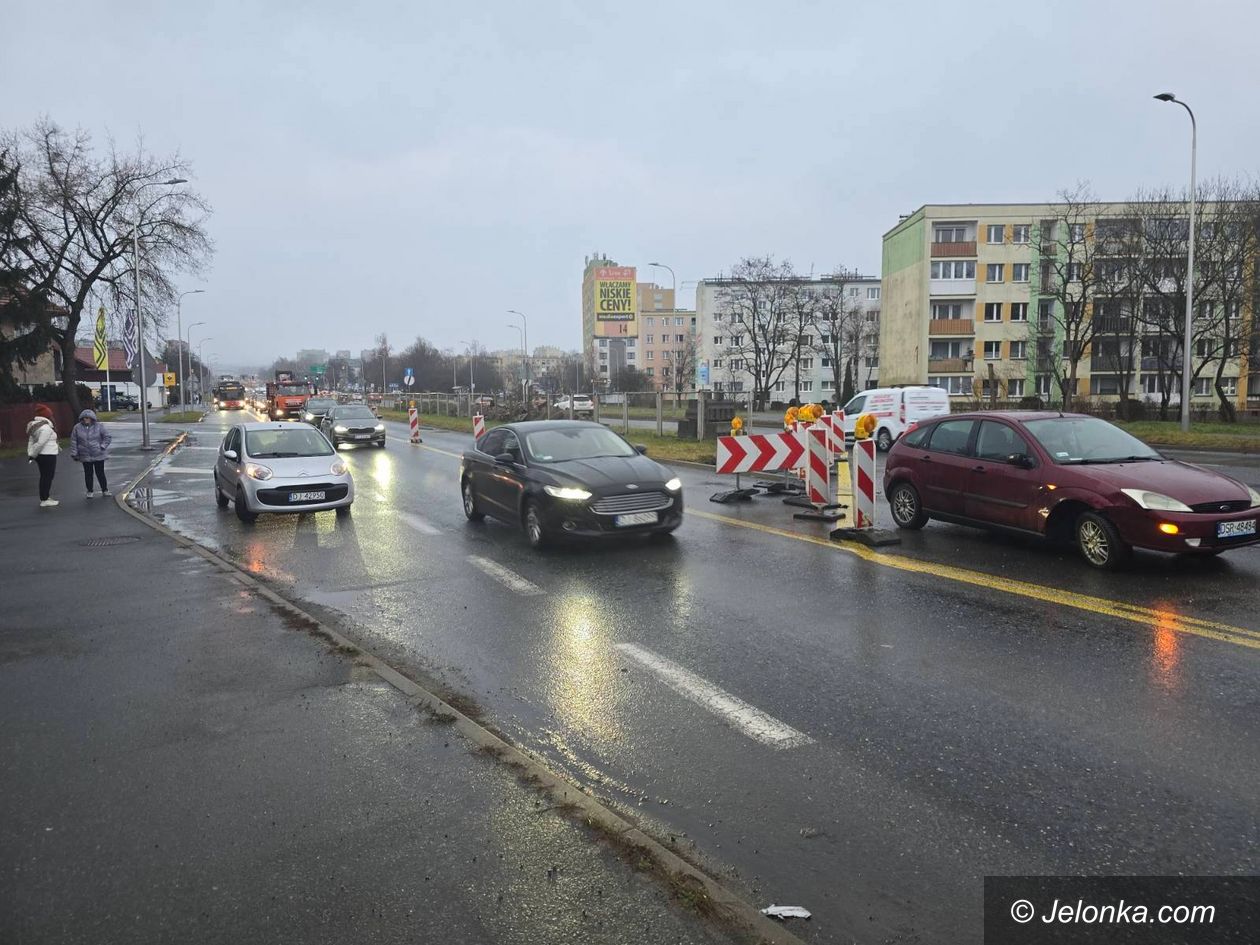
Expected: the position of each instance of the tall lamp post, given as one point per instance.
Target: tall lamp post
(201, 367)
(1185, 348)
(179, 332)
(524, 346)
(673, 279)
(520, 331)
(135, 261)
(472, 357)
(188, 339)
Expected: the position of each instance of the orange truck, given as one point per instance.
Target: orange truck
(286, 397)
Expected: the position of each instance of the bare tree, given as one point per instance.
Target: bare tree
(838, 328)
(685, 359)
(76, 214)
(754, 304)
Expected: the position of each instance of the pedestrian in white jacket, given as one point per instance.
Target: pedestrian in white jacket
(42, 449)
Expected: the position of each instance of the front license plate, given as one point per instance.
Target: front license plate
(1235, 529)
(635, 518)
(363, 436)
(307, 496)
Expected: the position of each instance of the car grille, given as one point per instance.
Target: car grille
(359, 431)
(1228, 505)
(632, 502)
(332, 492)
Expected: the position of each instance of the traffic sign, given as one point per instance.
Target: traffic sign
(318, 368)
(408, 372)
(409, 380)
(168, 379)
(759, 452)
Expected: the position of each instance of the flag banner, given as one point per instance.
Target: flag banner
(129, 340)
(100, 347)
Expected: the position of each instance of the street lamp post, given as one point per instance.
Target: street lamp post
(520, 331)
(673, 279)
(201, 367)
(188, 339)
(1186, 342)
(135, 262)
(524, 347)
(179, 333)
(472, 357)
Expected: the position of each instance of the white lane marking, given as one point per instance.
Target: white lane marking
(419, 524)
(504, 576)
(214, 448)
(185, 470)
(731, 709)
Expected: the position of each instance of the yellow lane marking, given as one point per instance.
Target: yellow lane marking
(1161, 619)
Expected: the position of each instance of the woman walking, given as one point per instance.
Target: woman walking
(89, 445)
(42, 449)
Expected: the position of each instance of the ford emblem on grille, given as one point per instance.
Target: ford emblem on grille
(631, 485)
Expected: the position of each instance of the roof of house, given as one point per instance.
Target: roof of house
(117, 360)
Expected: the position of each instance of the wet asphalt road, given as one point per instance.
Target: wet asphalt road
(904, 723)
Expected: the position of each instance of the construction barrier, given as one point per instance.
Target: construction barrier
(759, 452)
(818, 479)
(859, 477)
(862, 456)
(413, 416)
(479, 426)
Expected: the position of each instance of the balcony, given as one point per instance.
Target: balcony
(949, 365)
(951, 326)
(954, 249)
(1112, 325)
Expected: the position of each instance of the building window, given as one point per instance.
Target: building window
(678, 321)
(1019, 311)
(1074, 272)
(651, 339)
(1019, 350)
(737, 341)
(665, 355)
(603, 342)
(1043, 385)
(1015, 387)
(1076, 232)
(1019, 272)
(872, 293)
(629, 355)
(827, 385)
(629, 342)
(807, 341)
(807, 386)
(997, 233)
(947, 310)
(1045, 311)
(826, 362)
(945, 349)
(680, 338)
(780, 386)
(717, 362)
(954, 269)
(1206, 386)
(717, 341)
(853, 292)
(1102, 385)
(651, 322)
(650, 372)
(737, 364)
(951, 234)
(651, 355)
(603, 368)
(995, 272)
(952, 385)
(992, 311)
(993, 350)
(1019, 233)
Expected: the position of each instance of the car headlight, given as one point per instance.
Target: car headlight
(338, 468)
(573, 493)
(674, 484)
(309, 417)
(1255, 497)
(380, 428)
(1156, 501)
(254, 471)
(340, 429)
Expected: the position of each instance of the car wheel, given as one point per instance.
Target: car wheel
(883, 440)
(219, 498)
(381, 444)
(343, 511)
(534, 531)
(471, 510)
(242, 510)
(907, 508)
(1100, 543)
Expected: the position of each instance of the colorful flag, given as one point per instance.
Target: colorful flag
(101, 345)
(129, 339)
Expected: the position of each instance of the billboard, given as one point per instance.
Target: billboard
(615, 299)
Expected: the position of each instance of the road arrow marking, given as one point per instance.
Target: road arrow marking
(737, 713)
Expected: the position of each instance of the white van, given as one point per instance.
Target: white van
(896, 408)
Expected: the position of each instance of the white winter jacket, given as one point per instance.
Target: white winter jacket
(41, 438)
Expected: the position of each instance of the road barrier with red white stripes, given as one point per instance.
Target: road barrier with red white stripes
(479, 426)
(413, 417)
(759, 452)
(863, 460)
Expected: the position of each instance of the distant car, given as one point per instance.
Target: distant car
(279, 467)
(568, 478)
(353, 423)
(122, 402)
(485, 400)
(317, 408)
(582, 403)
(1065, 476)
(896, 409)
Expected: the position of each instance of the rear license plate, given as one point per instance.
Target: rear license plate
(1235, 529)
(635, 518)
(306, 496)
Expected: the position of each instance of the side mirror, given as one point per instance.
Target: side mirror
(505, 459)
(640, 448)
(1022, 460)
(230, 454)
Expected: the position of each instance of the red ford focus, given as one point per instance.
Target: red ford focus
(1068, 477)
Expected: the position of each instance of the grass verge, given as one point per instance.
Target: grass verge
(1229, 437)
(438, 421)
(188, 416)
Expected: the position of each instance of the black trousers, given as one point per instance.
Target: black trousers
(47, 469)
(99, 466)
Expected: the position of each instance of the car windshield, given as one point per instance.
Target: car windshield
(561, 445)
(291, 441)
(320, 403)
(290, 390)
(1081, 440)
(354, 413)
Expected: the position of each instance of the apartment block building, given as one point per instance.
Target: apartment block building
(973, 296)
(807, 370)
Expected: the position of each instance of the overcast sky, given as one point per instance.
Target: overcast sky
(419, 168)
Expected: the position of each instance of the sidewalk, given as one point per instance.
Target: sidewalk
(179, 765)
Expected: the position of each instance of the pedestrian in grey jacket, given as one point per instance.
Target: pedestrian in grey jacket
(89, 445)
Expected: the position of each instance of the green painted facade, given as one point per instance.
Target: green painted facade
(904, 244)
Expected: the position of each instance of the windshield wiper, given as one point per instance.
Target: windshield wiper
(1113, 459)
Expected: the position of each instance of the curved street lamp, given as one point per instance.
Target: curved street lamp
(179, 332)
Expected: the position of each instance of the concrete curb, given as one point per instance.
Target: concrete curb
(705, 893)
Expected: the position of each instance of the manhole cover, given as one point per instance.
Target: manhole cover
(110, 541)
